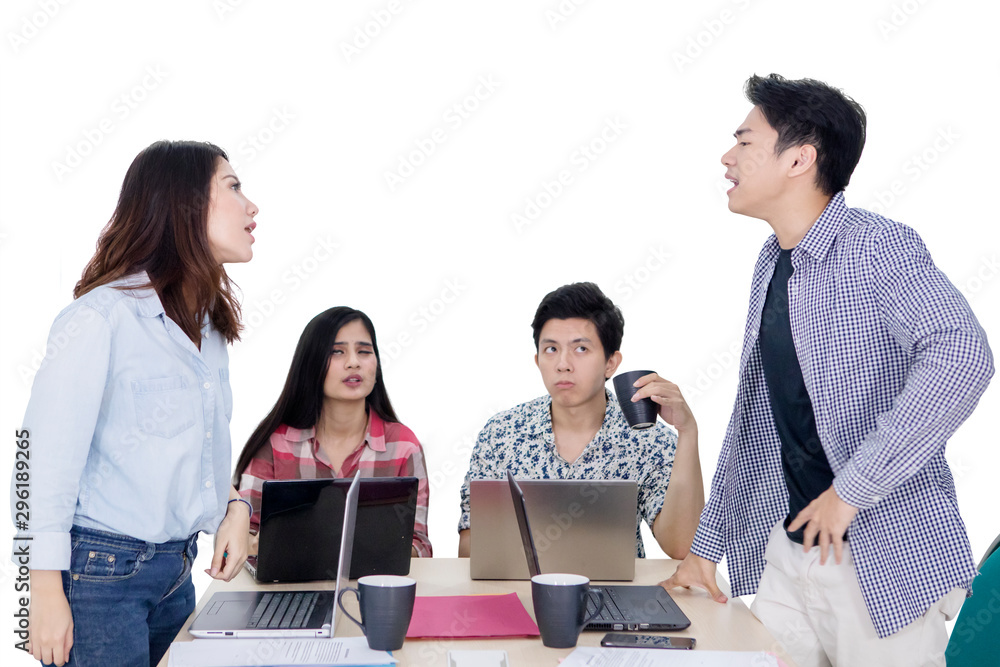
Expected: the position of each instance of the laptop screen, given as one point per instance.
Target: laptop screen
(521, 512)
(300, 530)
(585, 527)
(346, 542)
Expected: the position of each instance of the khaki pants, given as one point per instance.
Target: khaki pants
(818, 615)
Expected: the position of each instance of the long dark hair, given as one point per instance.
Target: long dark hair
(301, 400)
(160, 226)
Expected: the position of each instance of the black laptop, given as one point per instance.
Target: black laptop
(300, 528)
(625, 607)
(299, 613)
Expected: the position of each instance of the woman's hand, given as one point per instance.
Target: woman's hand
(50, 622)
(232, 541)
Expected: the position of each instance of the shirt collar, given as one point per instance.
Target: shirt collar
(820, 237)
(293, 434)
(374, 433)
(540, 421)
(147, 301)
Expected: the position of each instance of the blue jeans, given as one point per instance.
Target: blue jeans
(129, 598)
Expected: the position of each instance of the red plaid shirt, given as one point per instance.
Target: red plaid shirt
(389, 450)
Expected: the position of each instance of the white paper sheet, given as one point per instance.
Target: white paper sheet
(276, 652)
(645, 657)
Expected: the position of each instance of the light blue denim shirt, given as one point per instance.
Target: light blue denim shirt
(128, 426)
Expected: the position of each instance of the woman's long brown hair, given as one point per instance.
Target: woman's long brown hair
(160, 226)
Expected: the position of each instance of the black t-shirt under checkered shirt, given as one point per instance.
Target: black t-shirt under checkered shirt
(803, 462)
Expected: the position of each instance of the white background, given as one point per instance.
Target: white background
(88, 85)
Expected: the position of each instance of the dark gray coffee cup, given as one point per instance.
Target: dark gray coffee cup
(560, 603)
(641, 414)
(386, 603)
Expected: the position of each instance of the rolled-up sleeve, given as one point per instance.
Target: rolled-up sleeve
(260, 469)
(417, 467)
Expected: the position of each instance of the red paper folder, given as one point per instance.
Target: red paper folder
(470, 616)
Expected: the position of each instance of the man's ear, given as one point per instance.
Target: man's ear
(536, 360)
(613, 363)
(804, 159)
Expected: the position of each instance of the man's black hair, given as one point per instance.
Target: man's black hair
(586, 301)
(806, 111)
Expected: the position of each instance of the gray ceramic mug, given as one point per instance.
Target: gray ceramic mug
(386, 603)
(560, 603)
(641, 414)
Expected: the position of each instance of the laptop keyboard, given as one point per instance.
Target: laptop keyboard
(283, 610)
(611, 611)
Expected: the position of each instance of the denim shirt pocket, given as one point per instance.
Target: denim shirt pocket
(163, 407)
(227, 392)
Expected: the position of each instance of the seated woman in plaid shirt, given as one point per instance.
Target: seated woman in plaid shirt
(333, 418)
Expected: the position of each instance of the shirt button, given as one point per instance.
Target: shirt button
(208, 484)
(208, 434)
(207, 385)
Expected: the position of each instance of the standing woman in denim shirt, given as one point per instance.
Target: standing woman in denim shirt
(128, 421)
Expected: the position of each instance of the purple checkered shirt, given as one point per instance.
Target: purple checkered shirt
(894, 361)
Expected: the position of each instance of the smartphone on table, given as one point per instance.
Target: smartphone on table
(619, 640)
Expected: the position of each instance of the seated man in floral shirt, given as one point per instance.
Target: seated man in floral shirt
(578, 431)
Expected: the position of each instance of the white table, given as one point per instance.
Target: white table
(718, 627)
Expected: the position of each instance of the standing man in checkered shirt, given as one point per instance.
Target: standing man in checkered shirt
(859, 361)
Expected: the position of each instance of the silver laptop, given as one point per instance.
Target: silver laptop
(581, 526)
(623, 607)
(299, 613)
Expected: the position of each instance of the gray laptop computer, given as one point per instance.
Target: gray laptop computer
(301, 613)
(625, 607)
(581, 526)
